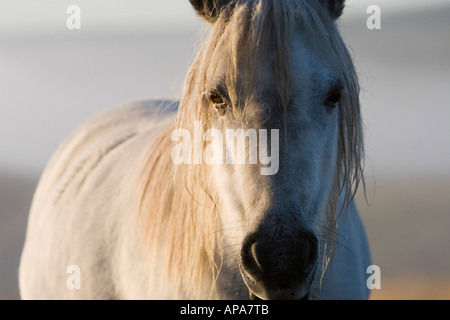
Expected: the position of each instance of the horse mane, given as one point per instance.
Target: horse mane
(177, 209)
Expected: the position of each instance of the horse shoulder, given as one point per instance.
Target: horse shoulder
(345, 276)
(83, 204)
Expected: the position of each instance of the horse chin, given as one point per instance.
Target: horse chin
(260, 291)
(279, 297)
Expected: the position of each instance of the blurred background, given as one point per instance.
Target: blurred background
(52, 79)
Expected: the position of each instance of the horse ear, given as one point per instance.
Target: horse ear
(209, 10)
(334, 7)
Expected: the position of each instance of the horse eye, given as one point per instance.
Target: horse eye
(215, 98)
(219, 103)
(334, 96)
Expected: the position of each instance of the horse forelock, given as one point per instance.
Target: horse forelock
(243, 35)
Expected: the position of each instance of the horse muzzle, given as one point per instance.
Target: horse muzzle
(281, 269)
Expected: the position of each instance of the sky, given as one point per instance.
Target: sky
(49, 85)
(30, 16)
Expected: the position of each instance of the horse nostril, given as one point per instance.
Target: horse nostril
(310, 249)
(248, 256)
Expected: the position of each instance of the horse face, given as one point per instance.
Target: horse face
(272, 210)
(272, 205)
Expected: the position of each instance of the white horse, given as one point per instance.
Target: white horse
(115, 217)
